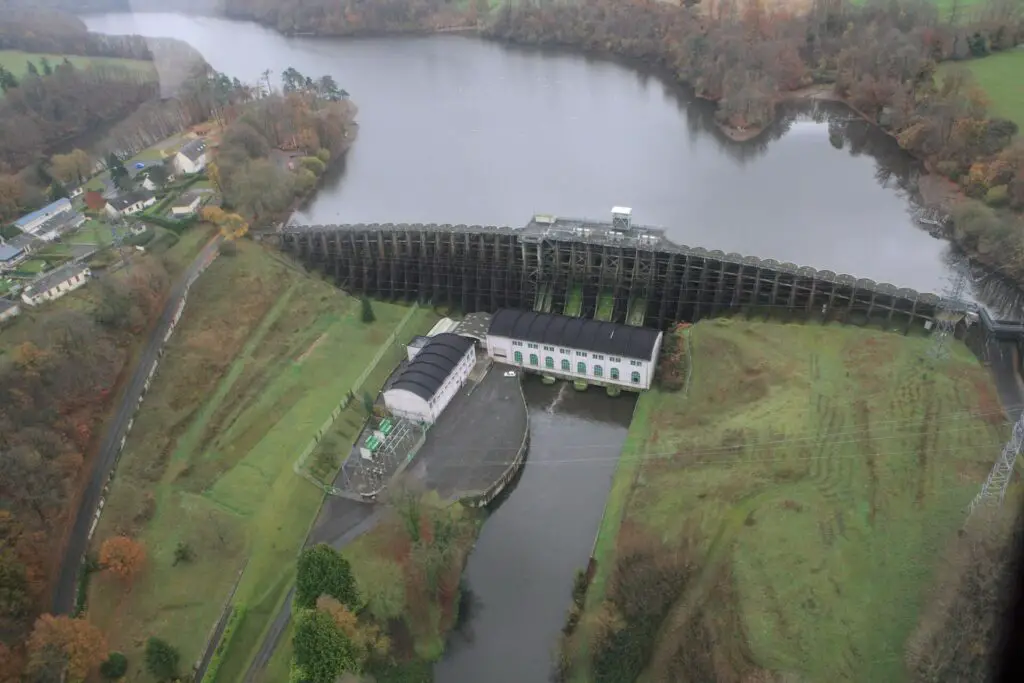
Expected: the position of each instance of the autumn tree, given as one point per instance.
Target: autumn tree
(72, 167)
(123, 556)
(12, 191)
(65, 647)
(323, 571)
(162, 659)
(322, 651)
(368, 640)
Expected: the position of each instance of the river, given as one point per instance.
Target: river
(458, 130)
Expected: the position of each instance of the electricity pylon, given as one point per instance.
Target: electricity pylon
(949, 309)
(994, 489)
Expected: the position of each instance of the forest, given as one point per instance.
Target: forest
(40, 30)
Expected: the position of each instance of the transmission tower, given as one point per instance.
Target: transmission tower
(994, 488)
(949, 309)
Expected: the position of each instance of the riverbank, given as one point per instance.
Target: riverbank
(794, 510)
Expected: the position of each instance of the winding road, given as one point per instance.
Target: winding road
(64, 593)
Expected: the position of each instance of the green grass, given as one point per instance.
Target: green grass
(1001, 76)
(32, 265)
(821, 471)
(239, 393)
(16, 62)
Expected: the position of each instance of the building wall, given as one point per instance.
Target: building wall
(9, 313)
(186, 210)
(186, 165)
(403, 403)
(565, 362)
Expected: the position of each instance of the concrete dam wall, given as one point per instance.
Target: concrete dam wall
(608, 271)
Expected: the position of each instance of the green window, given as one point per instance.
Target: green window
(636, 378)
(518, 356)
(549, 362)
(533, 359)
(615, 373)
(597, 371)
(581, 368)
(565, 365)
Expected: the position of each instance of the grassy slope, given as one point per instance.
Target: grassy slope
(16, 62)
(829, 465)
(1000, 76)
(209, 461)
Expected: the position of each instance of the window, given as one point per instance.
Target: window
(597, 371)
(598, 356)
(581, 368)
(518, 357)
(636, 378)
(533, 359)
(565, 365)
(615, 359)
(531, 346)
(581, 354)
(517, 343)
(549, 348)
(549, 363)
(615, 373)
(563, 350)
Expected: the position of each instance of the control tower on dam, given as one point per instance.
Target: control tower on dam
(609, 270)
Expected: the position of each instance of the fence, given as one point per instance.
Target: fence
(299, 467)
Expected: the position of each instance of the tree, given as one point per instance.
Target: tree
(367, 638)
(161, 659)
(323, 571)
(122, 556)
(72, 167)
(116, 168)
(183, 552)
(57, 191)
(7, 80)
(368, 402)
(116, 666)
(367, 310)
(12, 190)
(45, 63)
(31, 68)
(66, 646)
(321, 650)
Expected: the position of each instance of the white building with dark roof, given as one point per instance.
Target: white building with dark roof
(56, 284)
(130, 203)
(191, 158)
(437, 370)
(592, 351)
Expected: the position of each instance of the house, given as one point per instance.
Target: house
(130, 203)
(431, 379)
(56, 284)
(187, 204)
(94, 200)
(58, 225)
(15, 250)
(31, 222)
(577, 349)
(8, 309)
(148, 184)
(191, 158)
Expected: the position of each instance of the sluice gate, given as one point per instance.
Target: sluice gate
(615, 271)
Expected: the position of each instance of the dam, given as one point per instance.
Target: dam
(609, 270)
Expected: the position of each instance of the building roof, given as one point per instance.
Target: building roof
(193, 149)
(55, 277)
(9, 252)
(22, 241)
(187, 198)
(6, 304)
(425, 374)
(418, 342)
(49, 208)
(124, 201)
(94, 200)
(576, 333)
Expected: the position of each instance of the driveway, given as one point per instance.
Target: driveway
(78, 541)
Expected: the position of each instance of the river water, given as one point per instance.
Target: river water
(458, 130)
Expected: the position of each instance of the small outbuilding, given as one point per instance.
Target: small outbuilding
(187, 204)
(432, 378)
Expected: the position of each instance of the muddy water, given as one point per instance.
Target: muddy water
(521, 572)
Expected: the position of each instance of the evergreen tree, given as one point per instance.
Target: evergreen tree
(45, 63)
(162, 659)
(322, 651)
(323, 571)
(57, 191)
(32, 68)
(368, 316)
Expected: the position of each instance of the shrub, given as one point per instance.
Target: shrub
(949, 169)
(115, 667)
(998, 196)
(162, 659)
(313, 164)
(323, 155)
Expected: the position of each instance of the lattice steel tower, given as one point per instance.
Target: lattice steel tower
(994, 488)
(951, 306)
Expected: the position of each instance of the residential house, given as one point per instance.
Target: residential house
(130, 203)
(191, 158)
(15, 250)
(56, 284)
(8, 309)
(577, 349)
(148, 184)
(187, 204)
(31, 222)
(58, 225)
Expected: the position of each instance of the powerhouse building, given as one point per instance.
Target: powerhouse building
(593, 351)
(438, 367)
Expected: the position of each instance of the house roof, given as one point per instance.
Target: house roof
(6, 304)
(55, 277)
(22, 241)
(94, 200)
(193, 149)
(124, 201)
(49, 208)
(9, 252)
(425, 374)
(187, 198)
(576, 333)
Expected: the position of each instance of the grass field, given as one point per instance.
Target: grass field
(1000, 76)
(806, 485)
(240, 391)
(17, 61)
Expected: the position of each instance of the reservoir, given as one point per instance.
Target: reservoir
(459, 130)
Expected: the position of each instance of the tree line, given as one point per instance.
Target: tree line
(348, 17)
(55, 386)
(40, 30)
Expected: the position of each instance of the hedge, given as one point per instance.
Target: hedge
(238, 611)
